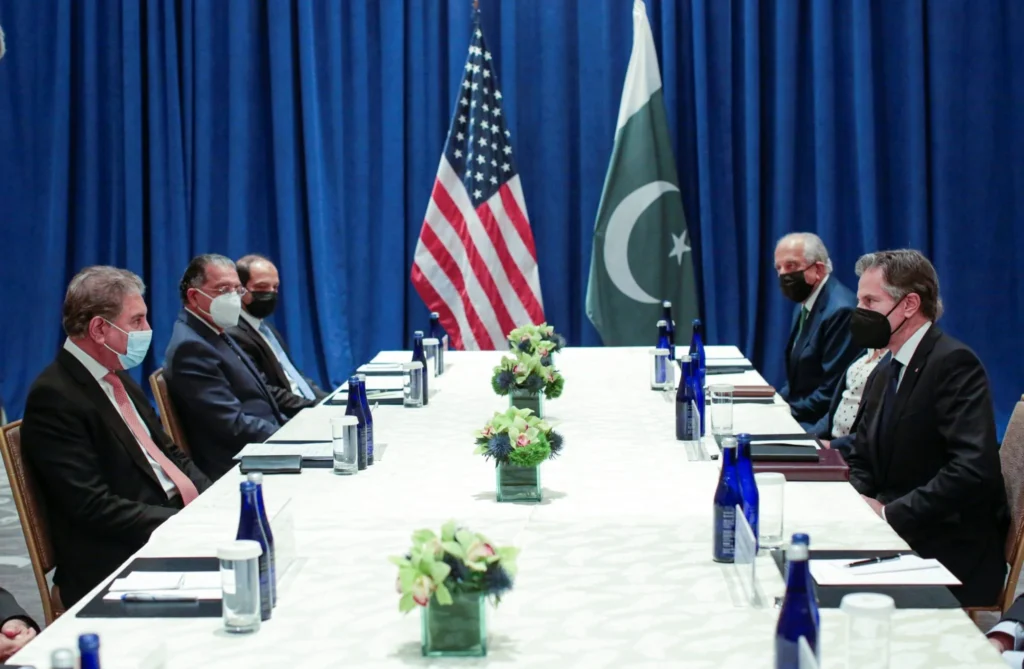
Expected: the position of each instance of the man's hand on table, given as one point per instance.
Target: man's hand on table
(875, 505)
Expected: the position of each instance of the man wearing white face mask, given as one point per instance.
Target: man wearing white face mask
(222, 399)
(107, 472)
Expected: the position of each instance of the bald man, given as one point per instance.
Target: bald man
(820, 348)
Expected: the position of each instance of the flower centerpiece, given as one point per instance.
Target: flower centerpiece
(539, 340)
(518, 442)
(527, 380)
(450, 576)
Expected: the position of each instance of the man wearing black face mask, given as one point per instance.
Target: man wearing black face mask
(925, 456)
(256, 336)
(819, 349)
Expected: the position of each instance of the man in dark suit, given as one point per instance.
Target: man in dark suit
(925, 456)
(16, 627)
(292, 390)
(222, 398)
(107, 473)
(1008, 634)
(819, 348)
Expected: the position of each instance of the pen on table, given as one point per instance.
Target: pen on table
(874, 560)
(156, 597)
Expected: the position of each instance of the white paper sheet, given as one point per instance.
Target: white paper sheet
(789, 442)
(315, 451)
(166, 581)
(379, 383)
(393, 356)
(198, 593)
(908, 570)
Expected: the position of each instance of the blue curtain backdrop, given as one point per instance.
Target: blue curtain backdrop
(139, 133)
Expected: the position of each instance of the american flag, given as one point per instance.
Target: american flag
(475, 262)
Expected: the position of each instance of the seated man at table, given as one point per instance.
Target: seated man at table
(222, 398)
(292, 390)
(925, 456)
(819, 349)
(837, 428)
(107, 473)
(16, 627)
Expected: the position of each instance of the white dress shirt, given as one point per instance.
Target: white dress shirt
(1015, 657)
(98, 371)
(906, 352)
(255, 323)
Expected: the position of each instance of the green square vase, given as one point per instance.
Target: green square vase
(456, 630)
(522, 399)
(518, 484)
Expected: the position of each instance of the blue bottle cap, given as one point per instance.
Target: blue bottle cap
(88, 643)
(247, 486)
(743, 436)
(801, 538)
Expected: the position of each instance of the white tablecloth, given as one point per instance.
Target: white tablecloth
(615, 568)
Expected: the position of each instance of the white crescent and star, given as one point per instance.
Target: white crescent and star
(620, 227)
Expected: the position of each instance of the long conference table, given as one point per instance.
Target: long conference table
(615, 567)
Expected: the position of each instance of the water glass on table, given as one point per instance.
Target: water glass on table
(721, 408)
(240, 585)
(412, 384)
(771, 488)
(345, 439)
(868, 629)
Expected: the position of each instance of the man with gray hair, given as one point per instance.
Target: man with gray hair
(107, 472)
(819, 348)
(222, 399)
(925, 455)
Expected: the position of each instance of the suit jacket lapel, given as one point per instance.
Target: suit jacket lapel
(813, 322)
(268, 353)
(906, 388)
(110, 415)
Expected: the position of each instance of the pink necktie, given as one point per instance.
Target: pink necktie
(185, 487)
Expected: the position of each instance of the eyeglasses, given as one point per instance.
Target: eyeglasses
(240, 290)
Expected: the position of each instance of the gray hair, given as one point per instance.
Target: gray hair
(97, 291)
(195, 273)
(906, 271)
(814, 248)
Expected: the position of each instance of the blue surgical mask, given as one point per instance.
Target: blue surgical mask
(138, 346)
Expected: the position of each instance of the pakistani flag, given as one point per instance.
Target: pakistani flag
(641, 252)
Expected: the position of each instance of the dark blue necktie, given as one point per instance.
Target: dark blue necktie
(892, 381)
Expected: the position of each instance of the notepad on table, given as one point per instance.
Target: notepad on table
(188, 584)
(907, 570)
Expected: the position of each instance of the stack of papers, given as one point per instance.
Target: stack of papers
(907, 570)
(166, 586)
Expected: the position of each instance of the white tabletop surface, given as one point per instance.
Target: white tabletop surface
(615, 568)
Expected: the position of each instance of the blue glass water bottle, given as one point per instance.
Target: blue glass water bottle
(805, 540)
(796, 619)
(89, 651)
(696, 381)
(364, 401)
(666, 315)
(685, 403)
(748, 485)
(419, 356)
(250, 528)
(256, 479)
(354, 407)
(727, 497)
(697, 351)
(438, 333)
